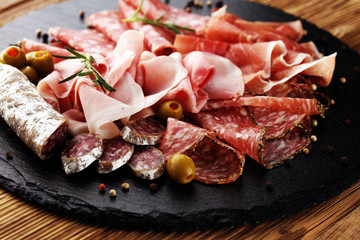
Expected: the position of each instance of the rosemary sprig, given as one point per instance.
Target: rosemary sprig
(157, 22)
(89, 69)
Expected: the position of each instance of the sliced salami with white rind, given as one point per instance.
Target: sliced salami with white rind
(81, 151)
(117, 153)
(143, 131)
(147, 162)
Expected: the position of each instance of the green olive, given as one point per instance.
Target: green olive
(31, 74)
(181, 168)
(41, 61)
(169, 109)
(13, 56)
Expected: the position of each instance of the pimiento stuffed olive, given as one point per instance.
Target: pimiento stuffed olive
(181, 168)
(169, 109)
(41, 61)
(30, 73)
(13, 56)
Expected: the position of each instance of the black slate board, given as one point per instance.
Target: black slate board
(309, 180)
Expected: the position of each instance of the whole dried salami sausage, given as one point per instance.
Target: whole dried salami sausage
(81, 151)
(117, 153)
(35, 121)
(143, 131)
(147, 162)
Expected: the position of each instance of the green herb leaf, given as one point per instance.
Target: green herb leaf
(157, 22)
(88, 60)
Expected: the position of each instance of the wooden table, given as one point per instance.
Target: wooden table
(337, 218)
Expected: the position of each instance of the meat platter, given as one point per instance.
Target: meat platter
(309, 179)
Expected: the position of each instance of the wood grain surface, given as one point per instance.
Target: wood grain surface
(337, 218)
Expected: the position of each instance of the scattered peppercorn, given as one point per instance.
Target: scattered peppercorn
(125, 186)
(313, 87)
(314, 123)
(153, 187)
(9, 155)
(190, 3)
(112, 193)
(82, 15)
(167, 1)
(306, 150)
(38, 33)
(102, 187)
(342, 80)
(269, 186)
(45, 38)
(347, 121)
(344, 160)
(188, 9)
(219, 4)
(209, 3)
(313, 138)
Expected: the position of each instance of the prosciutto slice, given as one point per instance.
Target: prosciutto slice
(157, 40)
(88, 40)
(215, 162)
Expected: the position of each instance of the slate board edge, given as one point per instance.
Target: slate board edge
(185, 223)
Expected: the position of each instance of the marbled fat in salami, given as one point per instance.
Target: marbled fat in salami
(215, 161)
(109, 23)
(81, 151)
(116, 153)
(147, 162)
(88, 40)
(143, 131)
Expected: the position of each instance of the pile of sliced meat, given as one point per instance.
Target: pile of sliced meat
(246, 86)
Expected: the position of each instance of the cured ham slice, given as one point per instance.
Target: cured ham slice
(109, 23)
(186, 44)
(157, 40)
(88, 40)
(29, 45)
(231, 28)
(155, 9)
(217, 76)
(147, 162)
(215, 162)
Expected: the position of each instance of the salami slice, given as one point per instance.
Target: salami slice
(268, 150)
(35, 121)
(109, 23)
(81, 151)
(215, 161)
(147, 162)
(143, 131)
(276, 122)
(117, 153)
(87, 40)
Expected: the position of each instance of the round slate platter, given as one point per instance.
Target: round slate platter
(308, 180)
